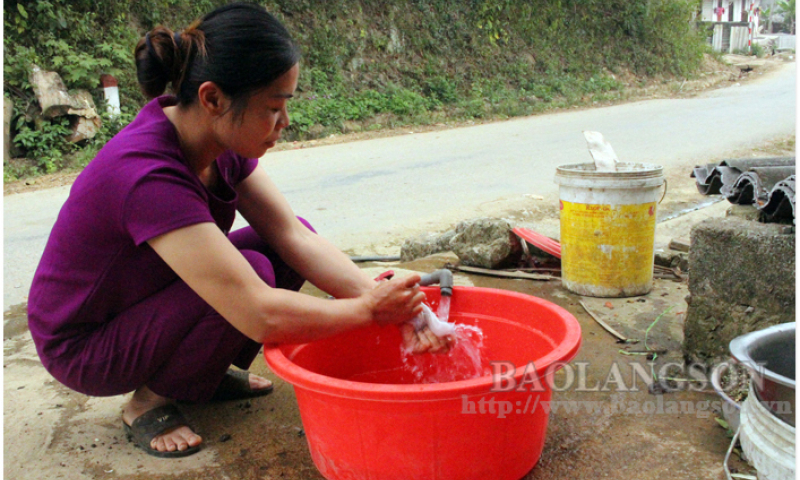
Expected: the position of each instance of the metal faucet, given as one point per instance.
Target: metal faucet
(443, 277)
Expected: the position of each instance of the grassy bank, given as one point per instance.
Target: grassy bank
(368, 64)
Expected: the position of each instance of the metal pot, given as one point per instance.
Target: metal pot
(769, 356)
(730, 409)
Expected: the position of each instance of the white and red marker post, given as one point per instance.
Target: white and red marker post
(111, 92)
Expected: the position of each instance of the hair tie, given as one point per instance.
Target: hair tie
(177, 37)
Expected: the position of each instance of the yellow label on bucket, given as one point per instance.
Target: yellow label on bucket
(607, 250)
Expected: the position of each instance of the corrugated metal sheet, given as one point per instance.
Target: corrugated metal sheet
(767, 184)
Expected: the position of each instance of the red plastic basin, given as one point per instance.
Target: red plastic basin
(386, 431)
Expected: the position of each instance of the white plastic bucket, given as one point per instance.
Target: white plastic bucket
(608, 222)
(767, 441)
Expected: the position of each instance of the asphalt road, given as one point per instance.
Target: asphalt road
(361, 192)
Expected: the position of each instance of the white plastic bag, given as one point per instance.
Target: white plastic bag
(438, 327)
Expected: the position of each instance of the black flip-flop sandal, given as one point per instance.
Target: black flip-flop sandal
(152, 424)
(235, 385)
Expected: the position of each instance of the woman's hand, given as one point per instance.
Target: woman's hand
(394, 298)
(424, 341)
(395, 301)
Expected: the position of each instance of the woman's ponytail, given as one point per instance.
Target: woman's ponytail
(163, 56)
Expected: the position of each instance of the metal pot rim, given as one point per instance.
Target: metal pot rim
(741, 346)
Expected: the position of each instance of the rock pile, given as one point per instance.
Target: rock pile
(56, 101)
(480, 242)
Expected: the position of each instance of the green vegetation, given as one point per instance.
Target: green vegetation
(788, 8)
(79, 39)
(366, 64)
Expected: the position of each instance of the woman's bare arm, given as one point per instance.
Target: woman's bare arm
(206, 260)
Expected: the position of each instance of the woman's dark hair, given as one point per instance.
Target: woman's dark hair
(240, 47)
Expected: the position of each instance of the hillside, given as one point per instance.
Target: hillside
(369, 65)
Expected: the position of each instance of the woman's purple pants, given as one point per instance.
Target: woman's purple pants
(173, 342)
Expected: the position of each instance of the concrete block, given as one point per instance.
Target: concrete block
(742, 279)
(745, 212)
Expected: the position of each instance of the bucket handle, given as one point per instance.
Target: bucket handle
(716, 374)
(728, 474)
(665, 192)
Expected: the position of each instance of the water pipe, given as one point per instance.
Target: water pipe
(443, 277)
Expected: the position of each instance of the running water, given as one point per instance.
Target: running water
(465, 360)
(443, 312)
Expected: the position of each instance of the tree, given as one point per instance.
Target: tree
(788, 9)
(767, 13)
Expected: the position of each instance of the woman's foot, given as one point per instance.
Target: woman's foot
(259, 383)
(240, 385)
(177, 439)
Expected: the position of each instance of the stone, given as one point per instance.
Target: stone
(481, 242)
(395, 41)
(50, 91)
(425, 244)
(486, 243)
(672, 259)
(742, 279)
(82, 104)
(55, 101)
(83, 128)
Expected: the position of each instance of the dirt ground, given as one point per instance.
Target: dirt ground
(53, 433)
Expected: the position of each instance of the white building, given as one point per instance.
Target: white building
(734, 11)
(739, 23)
(735, 22)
